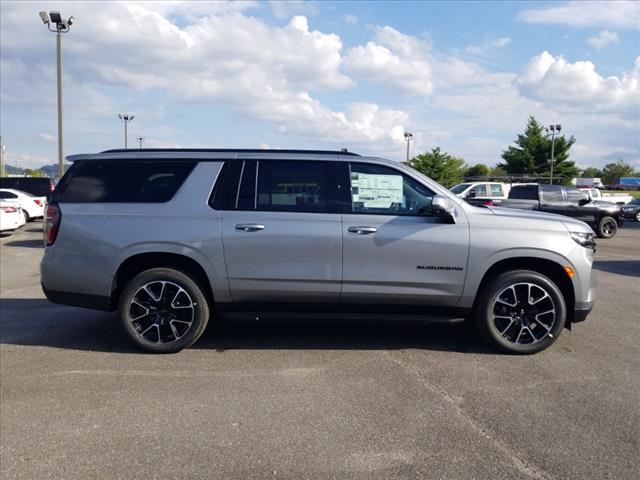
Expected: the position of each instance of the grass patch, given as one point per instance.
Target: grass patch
(633, 193)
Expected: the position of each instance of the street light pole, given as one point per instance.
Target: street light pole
(555, 131)
(2, 147)
(61, 26)
(126, 119)
(408, 137)
(140, 140)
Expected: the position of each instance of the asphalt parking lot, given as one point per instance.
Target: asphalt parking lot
(294, 402)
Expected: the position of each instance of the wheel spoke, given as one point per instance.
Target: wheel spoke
(159, 312)
(511, 320)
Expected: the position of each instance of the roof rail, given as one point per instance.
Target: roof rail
(230, 150)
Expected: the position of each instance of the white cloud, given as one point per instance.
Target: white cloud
(619, 14)
(578, 85)
(603, 39)
(394, 59)
(488, 45)
(47, 137)
(350, 19)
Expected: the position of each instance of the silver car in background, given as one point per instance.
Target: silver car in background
(174, 239)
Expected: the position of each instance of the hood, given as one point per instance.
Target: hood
(571, 224)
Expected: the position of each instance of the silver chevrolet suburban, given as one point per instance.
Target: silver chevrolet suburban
(174, 239)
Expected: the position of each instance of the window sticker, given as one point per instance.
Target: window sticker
(375, 190)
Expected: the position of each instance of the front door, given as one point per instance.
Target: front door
(282, 238)
(395, 250)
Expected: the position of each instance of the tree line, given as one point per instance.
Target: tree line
(530, 154)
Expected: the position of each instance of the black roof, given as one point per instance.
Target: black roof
(229, 150)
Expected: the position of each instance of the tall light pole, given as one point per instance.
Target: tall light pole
(60, 25)
(555, 131)
(407, 138)
(126, 119)
(140, 140)
(2, 148)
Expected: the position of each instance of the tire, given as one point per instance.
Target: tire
(163, 310)
(521, 328)
(607, 227)
(638, 216)
(27, 218)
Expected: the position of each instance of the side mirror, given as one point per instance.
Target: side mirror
(583, 201)
(472, 193)
(444, 208)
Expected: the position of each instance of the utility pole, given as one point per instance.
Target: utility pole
(61, 26)
(140, 140)
(555, 131)
(408, 137)
(126, 119)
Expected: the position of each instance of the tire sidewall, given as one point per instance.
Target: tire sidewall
(484, 315)
(614, 226)
(201, 310)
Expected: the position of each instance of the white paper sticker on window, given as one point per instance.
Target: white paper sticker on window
(376, 191)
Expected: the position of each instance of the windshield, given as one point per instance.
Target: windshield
(461, 187)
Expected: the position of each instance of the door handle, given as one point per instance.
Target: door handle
(362, 230)
(249, 227)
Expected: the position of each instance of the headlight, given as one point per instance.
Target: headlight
(585, 239)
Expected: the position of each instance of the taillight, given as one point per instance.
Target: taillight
(52, 187)
(489, 203)
(53, 216)
(9, 209)
(38, 202)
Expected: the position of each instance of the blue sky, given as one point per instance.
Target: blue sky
(463, 76)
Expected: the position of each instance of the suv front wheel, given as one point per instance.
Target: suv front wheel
(521, 312)
(163, 310)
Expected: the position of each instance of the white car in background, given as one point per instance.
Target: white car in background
(32, 206)
(481, 192)
(11, 216)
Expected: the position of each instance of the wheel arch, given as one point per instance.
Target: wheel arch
(140, 262)
(548, 268)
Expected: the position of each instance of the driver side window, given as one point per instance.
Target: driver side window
(380, 190)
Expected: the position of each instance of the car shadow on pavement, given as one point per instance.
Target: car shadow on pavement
(40, 323)
(630, 268)
(25, 243)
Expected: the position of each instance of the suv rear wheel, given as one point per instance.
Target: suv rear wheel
(521, 312)
(163, 310)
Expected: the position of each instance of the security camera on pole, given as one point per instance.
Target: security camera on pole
(408, 137)
(55, 23)
(126, 118)
(555, 131)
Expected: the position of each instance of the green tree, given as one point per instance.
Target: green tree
(612, 172)
(440, 166)
(532, 152)
(591, 172)
(498, 172)
(33, 173)
(477, 170)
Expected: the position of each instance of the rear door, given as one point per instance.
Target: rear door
(281, 232)
(395, 250)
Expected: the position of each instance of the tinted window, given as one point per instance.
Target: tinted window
(460, 188)
(126, 182)
(496, 190)
(525, 192)
(551, 194)
(574, 195)
(382, 190)
(8, 195)
(294, 186)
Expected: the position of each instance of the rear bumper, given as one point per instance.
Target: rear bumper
(581, 315)
(94, 302)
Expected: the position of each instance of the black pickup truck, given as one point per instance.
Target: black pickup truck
(602, 217)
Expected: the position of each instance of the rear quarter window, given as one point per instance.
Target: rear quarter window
(124, 181)
(526, 192)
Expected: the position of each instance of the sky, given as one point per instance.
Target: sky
(462, 76)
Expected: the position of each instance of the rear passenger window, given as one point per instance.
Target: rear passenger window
(481, 190)
(295, 186)
(122, 181)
